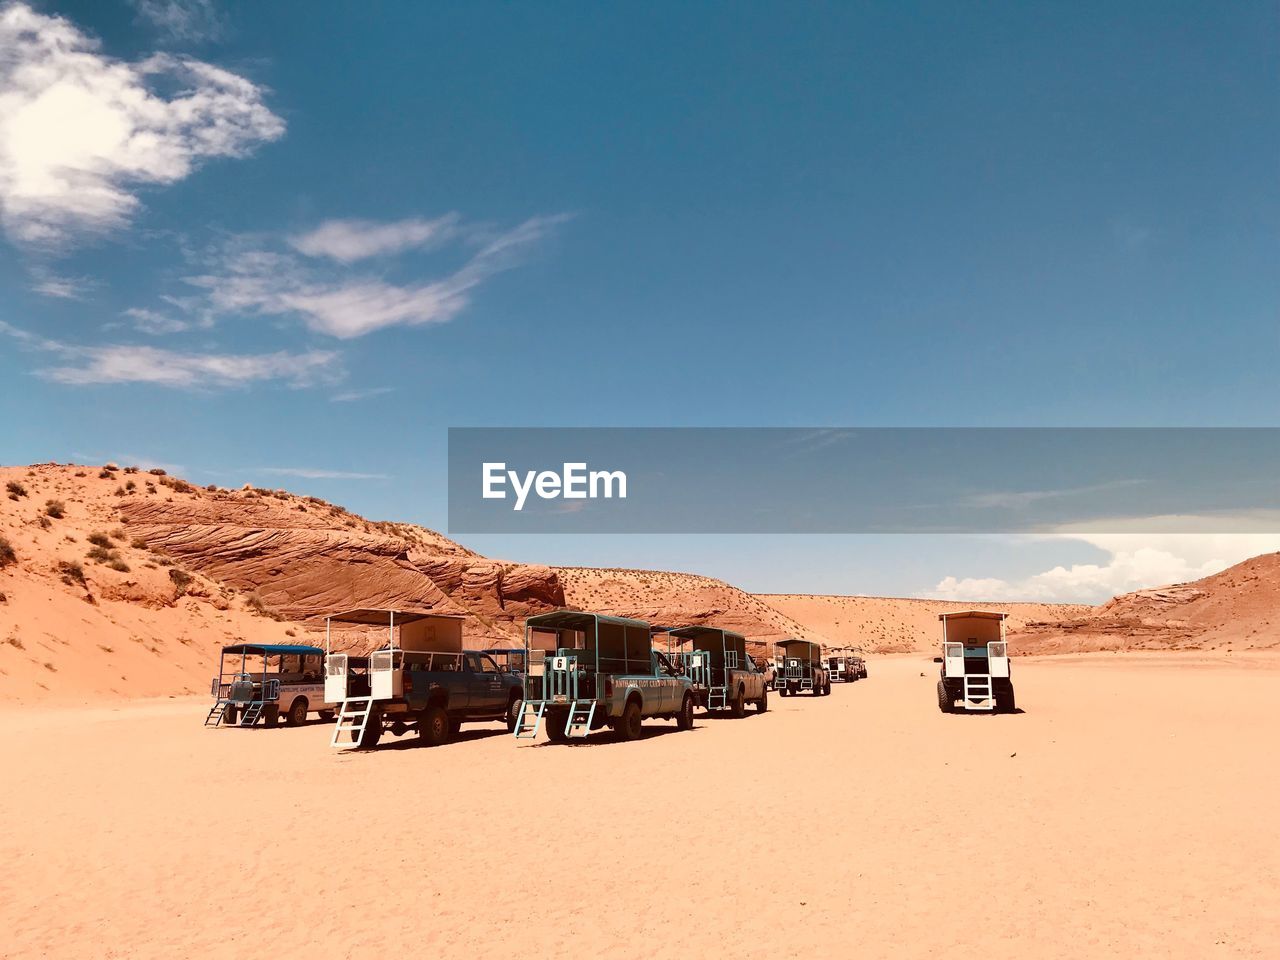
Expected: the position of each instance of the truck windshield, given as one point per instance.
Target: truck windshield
(665, 665)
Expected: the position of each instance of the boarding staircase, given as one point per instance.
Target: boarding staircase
(559, 686)
(216, 713)
(978, 692)
(353, 719)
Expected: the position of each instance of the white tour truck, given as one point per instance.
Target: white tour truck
(975, 663)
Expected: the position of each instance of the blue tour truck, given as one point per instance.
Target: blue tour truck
(588, 671)
(419, 679)
(725, 677)
(266, 682)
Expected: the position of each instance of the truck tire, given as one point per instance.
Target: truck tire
(556, 721)
(631, 722)
(326, 715)
(782, 690)
(738, 706)
(1005, 702)
(372, 729)
(684, 719)
(271, 715)
(763, 703)
(229, 715)
(514, 708)
(434, 726)
(297, 714)
(945, 704)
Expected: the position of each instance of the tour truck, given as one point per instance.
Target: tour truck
(716, 660)
(975, 663)
(844, 665)
(801, 668)
(588, 671)
(264, 682)
(419, 679)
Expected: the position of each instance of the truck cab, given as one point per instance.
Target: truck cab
(975, 672)
(267, 682)
(724, 677)
(420, 679)
(589, 671)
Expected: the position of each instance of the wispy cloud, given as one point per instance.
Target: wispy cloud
(186, 21)
(252, 278)
(127, 363)
(1022, 499)
(80, 131)
(154, 322)
(310, 473)
(350, 240)
(49, 284)
(350, 396)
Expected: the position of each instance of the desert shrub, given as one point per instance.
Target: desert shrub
(15, 642)
(156, 472)
(100, 540)
(130, 469)
(7, 556)
(110, 467)
(81, 473)
(71, 572)
(138, 543)
(131, 486)
(212, 488)
(120, 491)
(119, 534)
(55, 508)
(177, 485)
(15, 489)
(118, 564)
(102, 555)
(105, 474)
(255, 603)
(181, 579)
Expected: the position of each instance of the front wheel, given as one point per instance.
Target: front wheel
(513, 713)
(629, 725)
(684, 719)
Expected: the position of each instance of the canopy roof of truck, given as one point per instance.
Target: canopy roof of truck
(797, 643)
(273, 649)
(972, 615)
(578, 620)
(693, 632)
(378, 618)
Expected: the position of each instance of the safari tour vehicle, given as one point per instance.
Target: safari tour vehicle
(724, 677)
(975, 663)
(801, 667)
(421, 678)
(266, 682)
(587, 671)
(844, 665)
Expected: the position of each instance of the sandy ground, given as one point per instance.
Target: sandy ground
(1129, 811)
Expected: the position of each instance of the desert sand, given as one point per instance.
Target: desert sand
(1129, 811)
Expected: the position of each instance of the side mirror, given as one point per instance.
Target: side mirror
(937, 659)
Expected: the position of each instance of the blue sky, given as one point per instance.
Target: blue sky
(280, 243)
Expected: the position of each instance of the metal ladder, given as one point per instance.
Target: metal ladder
(251, 713)
(530, 720)
(978, 688)
(216, 713)
(581, 713)
(352, 719)
(717, 698)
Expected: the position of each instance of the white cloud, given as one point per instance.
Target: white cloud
(50, 284)
(125, 363)
(350, 240)
(154, 322)
(1136, 561)
(348, 396)
(311, 473)
(81, 131)
(188, 21)
(246, 278)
